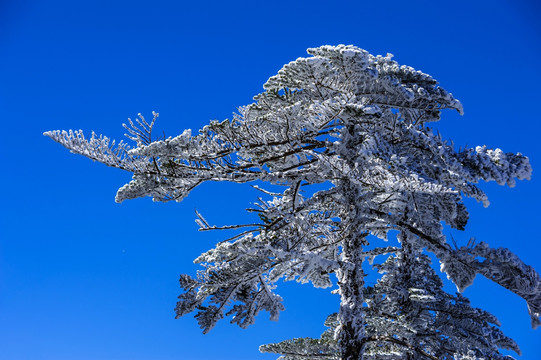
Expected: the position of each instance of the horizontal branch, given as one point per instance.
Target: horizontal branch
(417, 349)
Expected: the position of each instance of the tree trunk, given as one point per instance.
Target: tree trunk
(351, 335)
(351, 316)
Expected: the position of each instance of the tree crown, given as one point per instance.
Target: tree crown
(357, 123)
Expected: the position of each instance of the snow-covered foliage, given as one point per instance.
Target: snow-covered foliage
(409, 316)
(326, 347)
(359, 124)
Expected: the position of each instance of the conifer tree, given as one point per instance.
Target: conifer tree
(357, 126)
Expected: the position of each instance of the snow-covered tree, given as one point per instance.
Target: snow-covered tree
(355, 125)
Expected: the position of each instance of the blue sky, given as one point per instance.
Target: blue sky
(84, 278)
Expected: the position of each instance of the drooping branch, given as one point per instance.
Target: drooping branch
(501, 266)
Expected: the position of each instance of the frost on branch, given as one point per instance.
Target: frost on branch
(409, 316)
(99, 148)
(501, 266)
(325, 347)
(345, 137)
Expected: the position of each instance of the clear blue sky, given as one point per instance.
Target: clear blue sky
(84, 278)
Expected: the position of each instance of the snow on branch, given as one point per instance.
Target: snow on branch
(506, 269)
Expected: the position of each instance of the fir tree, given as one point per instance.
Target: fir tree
(358, 125)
